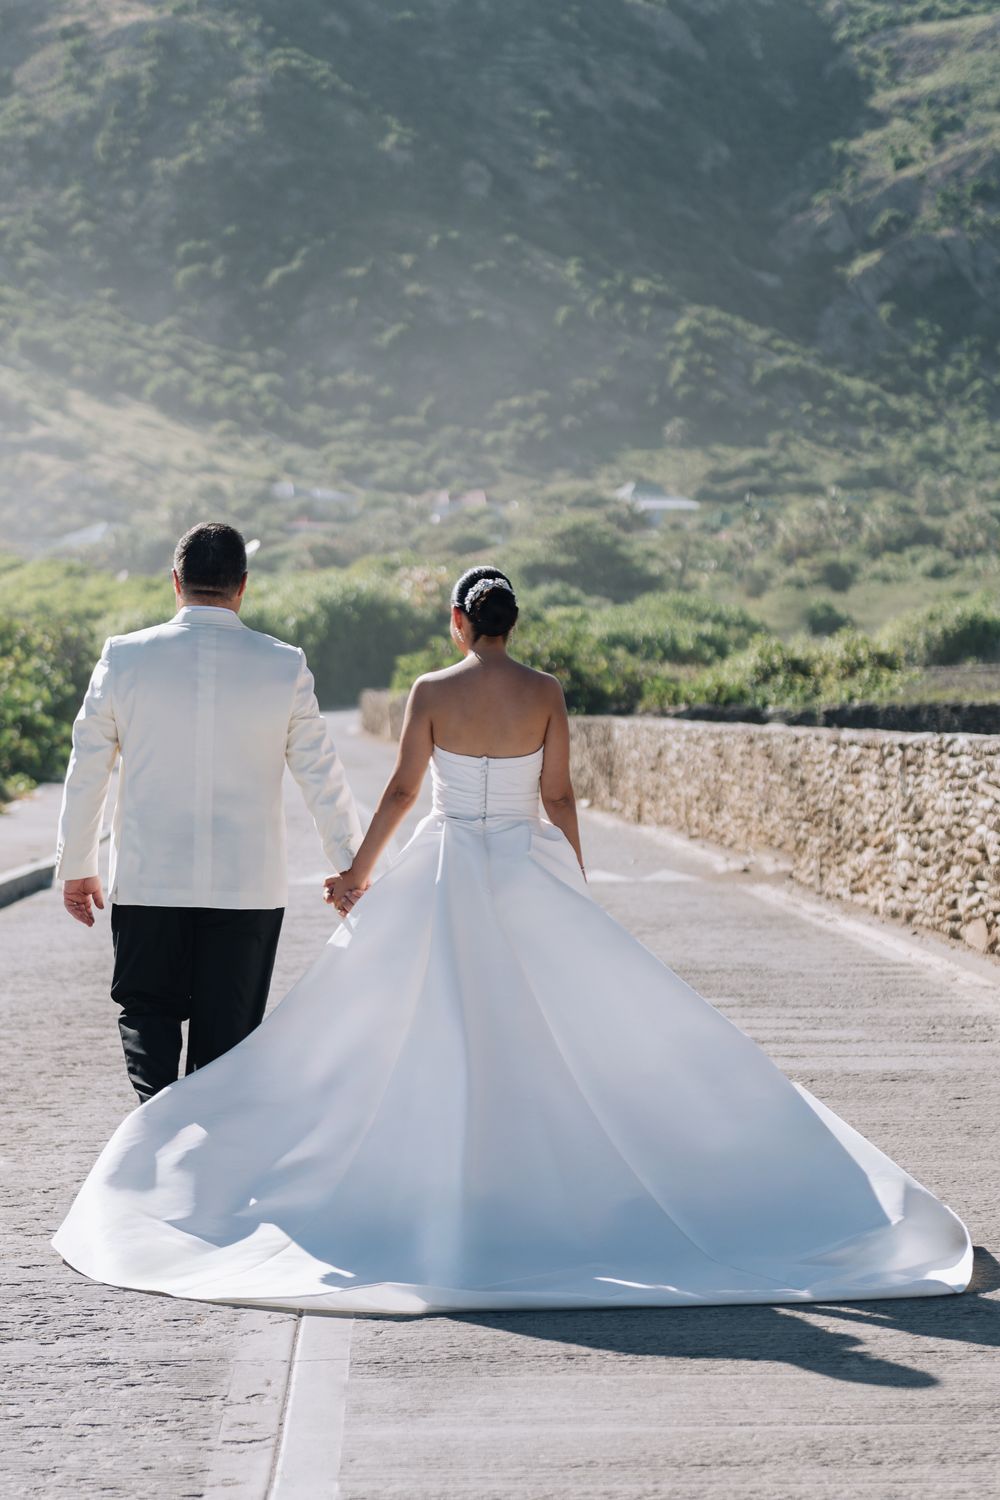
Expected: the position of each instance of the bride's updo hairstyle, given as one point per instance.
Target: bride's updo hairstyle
(487, 596)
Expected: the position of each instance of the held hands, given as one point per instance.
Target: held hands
(344, 891)
(81, 896)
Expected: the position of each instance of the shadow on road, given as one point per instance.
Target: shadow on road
(787, 1334)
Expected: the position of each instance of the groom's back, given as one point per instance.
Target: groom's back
(165, 679)
(202, 707)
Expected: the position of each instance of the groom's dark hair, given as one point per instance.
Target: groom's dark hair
(211, 558)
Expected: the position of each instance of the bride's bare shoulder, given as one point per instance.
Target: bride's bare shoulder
(428, 682)
(447, 680)
(543, 682)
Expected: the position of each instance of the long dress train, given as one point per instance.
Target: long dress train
(486, 1094)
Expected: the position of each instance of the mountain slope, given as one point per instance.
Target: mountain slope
(451, 243)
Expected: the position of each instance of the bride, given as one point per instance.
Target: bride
(486, 1094)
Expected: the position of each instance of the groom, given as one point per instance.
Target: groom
(205, 715)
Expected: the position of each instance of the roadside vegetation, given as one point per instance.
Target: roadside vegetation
(382, 623)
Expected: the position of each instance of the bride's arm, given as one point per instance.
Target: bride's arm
(401, 791)
(558, 798)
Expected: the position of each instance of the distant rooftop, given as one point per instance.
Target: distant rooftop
(649, 496)
(86, 536)
(286, 489)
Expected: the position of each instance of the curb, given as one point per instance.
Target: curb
(26, 880)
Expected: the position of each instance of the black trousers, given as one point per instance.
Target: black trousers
(203, 965)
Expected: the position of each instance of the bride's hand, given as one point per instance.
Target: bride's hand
(344, 891)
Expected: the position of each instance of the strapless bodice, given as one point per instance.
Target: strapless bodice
(485, 786)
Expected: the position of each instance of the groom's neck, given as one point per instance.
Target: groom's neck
(214, 601)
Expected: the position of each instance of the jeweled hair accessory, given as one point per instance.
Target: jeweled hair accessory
(483, 587)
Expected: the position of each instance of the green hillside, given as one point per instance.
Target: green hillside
(747, 249)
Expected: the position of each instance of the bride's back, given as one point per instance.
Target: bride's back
(489, 706)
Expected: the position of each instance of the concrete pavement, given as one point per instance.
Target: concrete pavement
(118, 1394)
(28, 826)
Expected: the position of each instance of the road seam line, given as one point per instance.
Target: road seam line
(310, 1446)
(242, 1458)
(282, 1410)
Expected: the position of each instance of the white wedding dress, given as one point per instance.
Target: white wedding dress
(486, 1094)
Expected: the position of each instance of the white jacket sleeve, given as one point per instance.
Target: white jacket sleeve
(85, 793)
(317, 768)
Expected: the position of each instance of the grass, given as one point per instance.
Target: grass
(969, 683)
(871, 604)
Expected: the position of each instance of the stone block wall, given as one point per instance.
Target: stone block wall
(382, 713)
(907, 825)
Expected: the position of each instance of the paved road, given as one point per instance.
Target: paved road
(111, 1393)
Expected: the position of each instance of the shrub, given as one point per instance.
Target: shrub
(675, 627)
(770, 674)
(836, 573)
(824, 618)
(953, 631)
(352, 630)
(592, 555)
(44, 670)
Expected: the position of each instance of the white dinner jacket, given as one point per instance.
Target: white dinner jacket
(205, 714)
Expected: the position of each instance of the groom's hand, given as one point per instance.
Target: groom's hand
(342, 892)
(81, 896)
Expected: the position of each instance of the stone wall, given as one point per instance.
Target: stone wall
(907, 825)
(382, 713)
